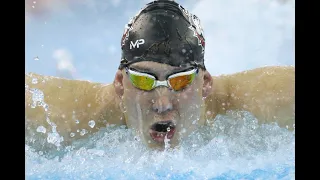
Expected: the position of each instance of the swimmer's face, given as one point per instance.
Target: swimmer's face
(162, 114)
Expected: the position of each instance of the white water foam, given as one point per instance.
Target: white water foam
(234, 147)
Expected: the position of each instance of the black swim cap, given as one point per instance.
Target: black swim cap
(164, 32)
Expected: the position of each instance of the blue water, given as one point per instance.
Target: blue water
(237, 147)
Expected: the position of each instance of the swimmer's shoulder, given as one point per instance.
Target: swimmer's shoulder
(237, 90)
(70, 100)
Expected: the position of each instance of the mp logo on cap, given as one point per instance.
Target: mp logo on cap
(136, 44)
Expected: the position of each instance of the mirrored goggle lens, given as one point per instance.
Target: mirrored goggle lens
(180, 82)
(141, 81)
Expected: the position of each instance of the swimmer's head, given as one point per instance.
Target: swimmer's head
(162, 79)
(163, 32)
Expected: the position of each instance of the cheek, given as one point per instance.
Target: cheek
(189, 103)
(136, 104)
(191, 95)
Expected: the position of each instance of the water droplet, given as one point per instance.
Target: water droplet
(34, 81)
(34, 2)
(32, 6)
(89, 105)
(136, 138)
(83, 132)
(36, 58)
(166, 142)
(190, 51)
(72, 134)
(77, 121)
(42, 45)
(41, 129)
(184, 50)
(78, 130)
(168, 129)
(54, 138)
(91, 123)
(33, 105)
(45, 106)
(245, 106)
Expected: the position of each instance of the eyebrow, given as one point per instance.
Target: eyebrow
(149, 71)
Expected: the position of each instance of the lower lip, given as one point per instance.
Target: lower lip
(160, 136)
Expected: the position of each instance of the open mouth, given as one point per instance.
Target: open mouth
(161, 130)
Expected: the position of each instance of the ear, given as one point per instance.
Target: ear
(118, 83)
(207, 84)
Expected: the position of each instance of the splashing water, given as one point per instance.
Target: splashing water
(234, 148)
(53, 137)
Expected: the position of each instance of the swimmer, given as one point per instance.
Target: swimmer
(162, 89)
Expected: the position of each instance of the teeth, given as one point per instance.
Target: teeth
(159, 134)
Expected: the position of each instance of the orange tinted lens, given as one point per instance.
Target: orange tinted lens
(180, 82)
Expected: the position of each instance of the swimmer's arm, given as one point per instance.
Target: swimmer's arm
(71, 100)
(268, 93)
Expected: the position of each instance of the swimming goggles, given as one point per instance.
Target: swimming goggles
(147, 82)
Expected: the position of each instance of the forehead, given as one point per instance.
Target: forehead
(155, 67)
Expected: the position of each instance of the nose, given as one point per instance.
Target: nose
(162, 104)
